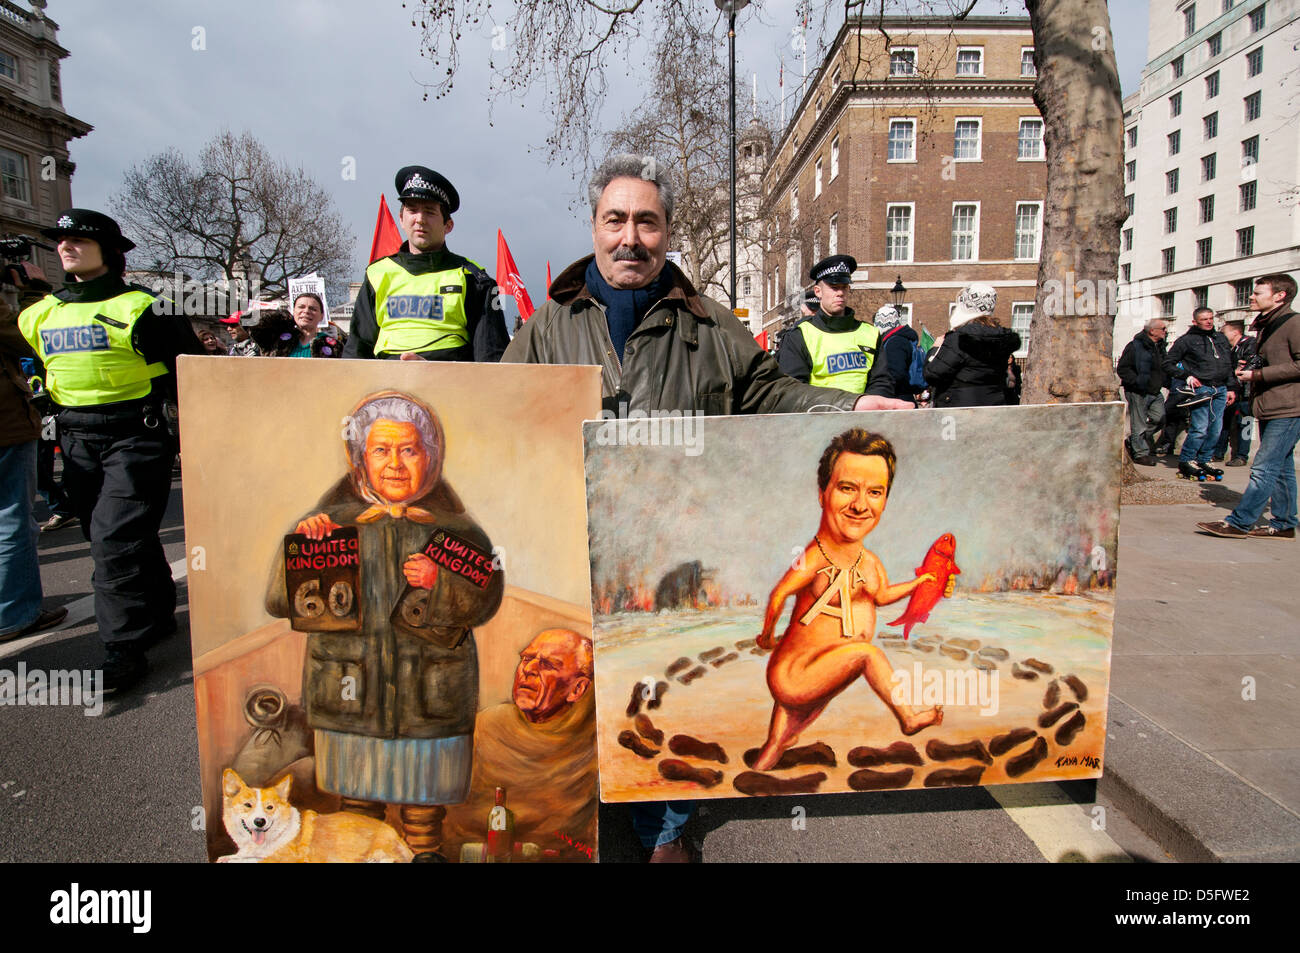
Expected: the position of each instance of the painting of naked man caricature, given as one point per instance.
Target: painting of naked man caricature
(889, 601)
(392, 649)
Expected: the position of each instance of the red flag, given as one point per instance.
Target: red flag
(761, 338)
(387, 238)
(548, 279)
(508, 279)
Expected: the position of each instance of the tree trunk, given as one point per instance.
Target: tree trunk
(1078, 95)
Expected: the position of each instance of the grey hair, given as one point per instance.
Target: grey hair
(402, 411)
(1154, 321)
(629, 165)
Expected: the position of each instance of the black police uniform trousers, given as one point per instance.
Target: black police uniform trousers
(117, 470)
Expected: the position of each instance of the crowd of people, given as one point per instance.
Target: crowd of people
(107, 358)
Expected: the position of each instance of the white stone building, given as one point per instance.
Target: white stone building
(1212, 160)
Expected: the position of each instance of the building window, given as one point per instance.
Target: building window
(1030, 142)
(1171, 221)
(1211, 123)
(835, 77)
(817, 246)
(1250, 151)
(1130, 170)
(1253, 103)
(1209, 167)
(1203, 252)
(1245, 241)
(1201, 295)
(902, 62)
(1175, 105)
(1257, 18)
(1175, 141)
(1171, 182)
(902, 140)
(1133, 137)
(1166, 302)
(794, 204)
(1177, 67)
(1166, 260)
(1128, 205)
(817, 114)
(1128, 239)
(1241, 292)
(966, 140)
(1215, 43)
(898, 232)
(817, 178)
(1126, 273)
(1228, 5)
(9, 65)
(1248, 195)
(1212, 85)
(1255, 62)
(1027, 67)
(13, 176)
(965, 232)
(793, 271)
(1189, 21)
(970, 61)
(835, 157)
(1028, 231)
(1207, 209)
(746, 286)
(833, 236)
(1022, 314)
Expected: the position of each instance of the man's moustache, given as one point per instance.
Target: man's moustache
(634, 253)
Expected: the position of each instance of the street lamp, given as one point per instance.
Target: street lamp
(731, 8)
(898, 292)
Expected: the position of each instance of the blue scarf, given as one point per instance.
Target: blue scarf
(624, 308)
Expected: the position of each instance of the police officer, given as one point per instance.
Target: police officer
(832, 348)
(425, 301)
(110, 361)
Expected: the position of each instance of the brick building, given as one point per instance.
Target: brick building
(924, 160)
(35, 171)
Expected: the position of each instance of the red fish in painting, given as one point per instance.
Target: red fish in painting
(940, 561)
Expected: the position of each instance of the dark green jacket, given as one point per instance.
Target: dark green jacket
(415, 672)
(689, 353)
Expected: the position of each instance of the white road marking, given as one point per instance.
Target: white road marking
(79, 611)
(1056, 824)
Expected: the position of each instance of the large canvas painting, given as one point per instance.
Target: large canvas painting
(389, 600)
(852, 602)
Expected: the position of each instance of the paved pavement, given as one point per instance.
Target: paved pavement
(1204, 736)
(1201, 760)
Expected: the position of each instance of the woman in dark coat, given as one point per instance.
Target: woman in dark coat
(970, 368)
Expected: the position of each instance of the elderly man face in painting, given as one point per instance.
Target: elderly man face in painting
(554, 672)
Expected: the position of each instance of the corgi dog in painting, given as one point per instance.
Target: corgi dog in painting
(268, 829)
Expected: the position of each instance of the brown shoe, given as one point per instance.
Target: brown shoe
(47, 619)
(674, 852)
(1268, 532)
(1220, 528)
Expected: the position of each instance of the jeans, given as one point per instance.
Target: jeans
(1272, 477)
(20, 572)
(660, 822)
(1237, 425)
(1146, 412)
(1204, 425)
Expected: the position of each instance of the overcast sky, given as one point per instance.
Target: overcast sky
(322, 82)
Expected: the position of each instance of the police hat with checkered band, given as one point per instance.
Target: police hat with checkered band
(835, 270)
(84, 223)
(420, 182)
